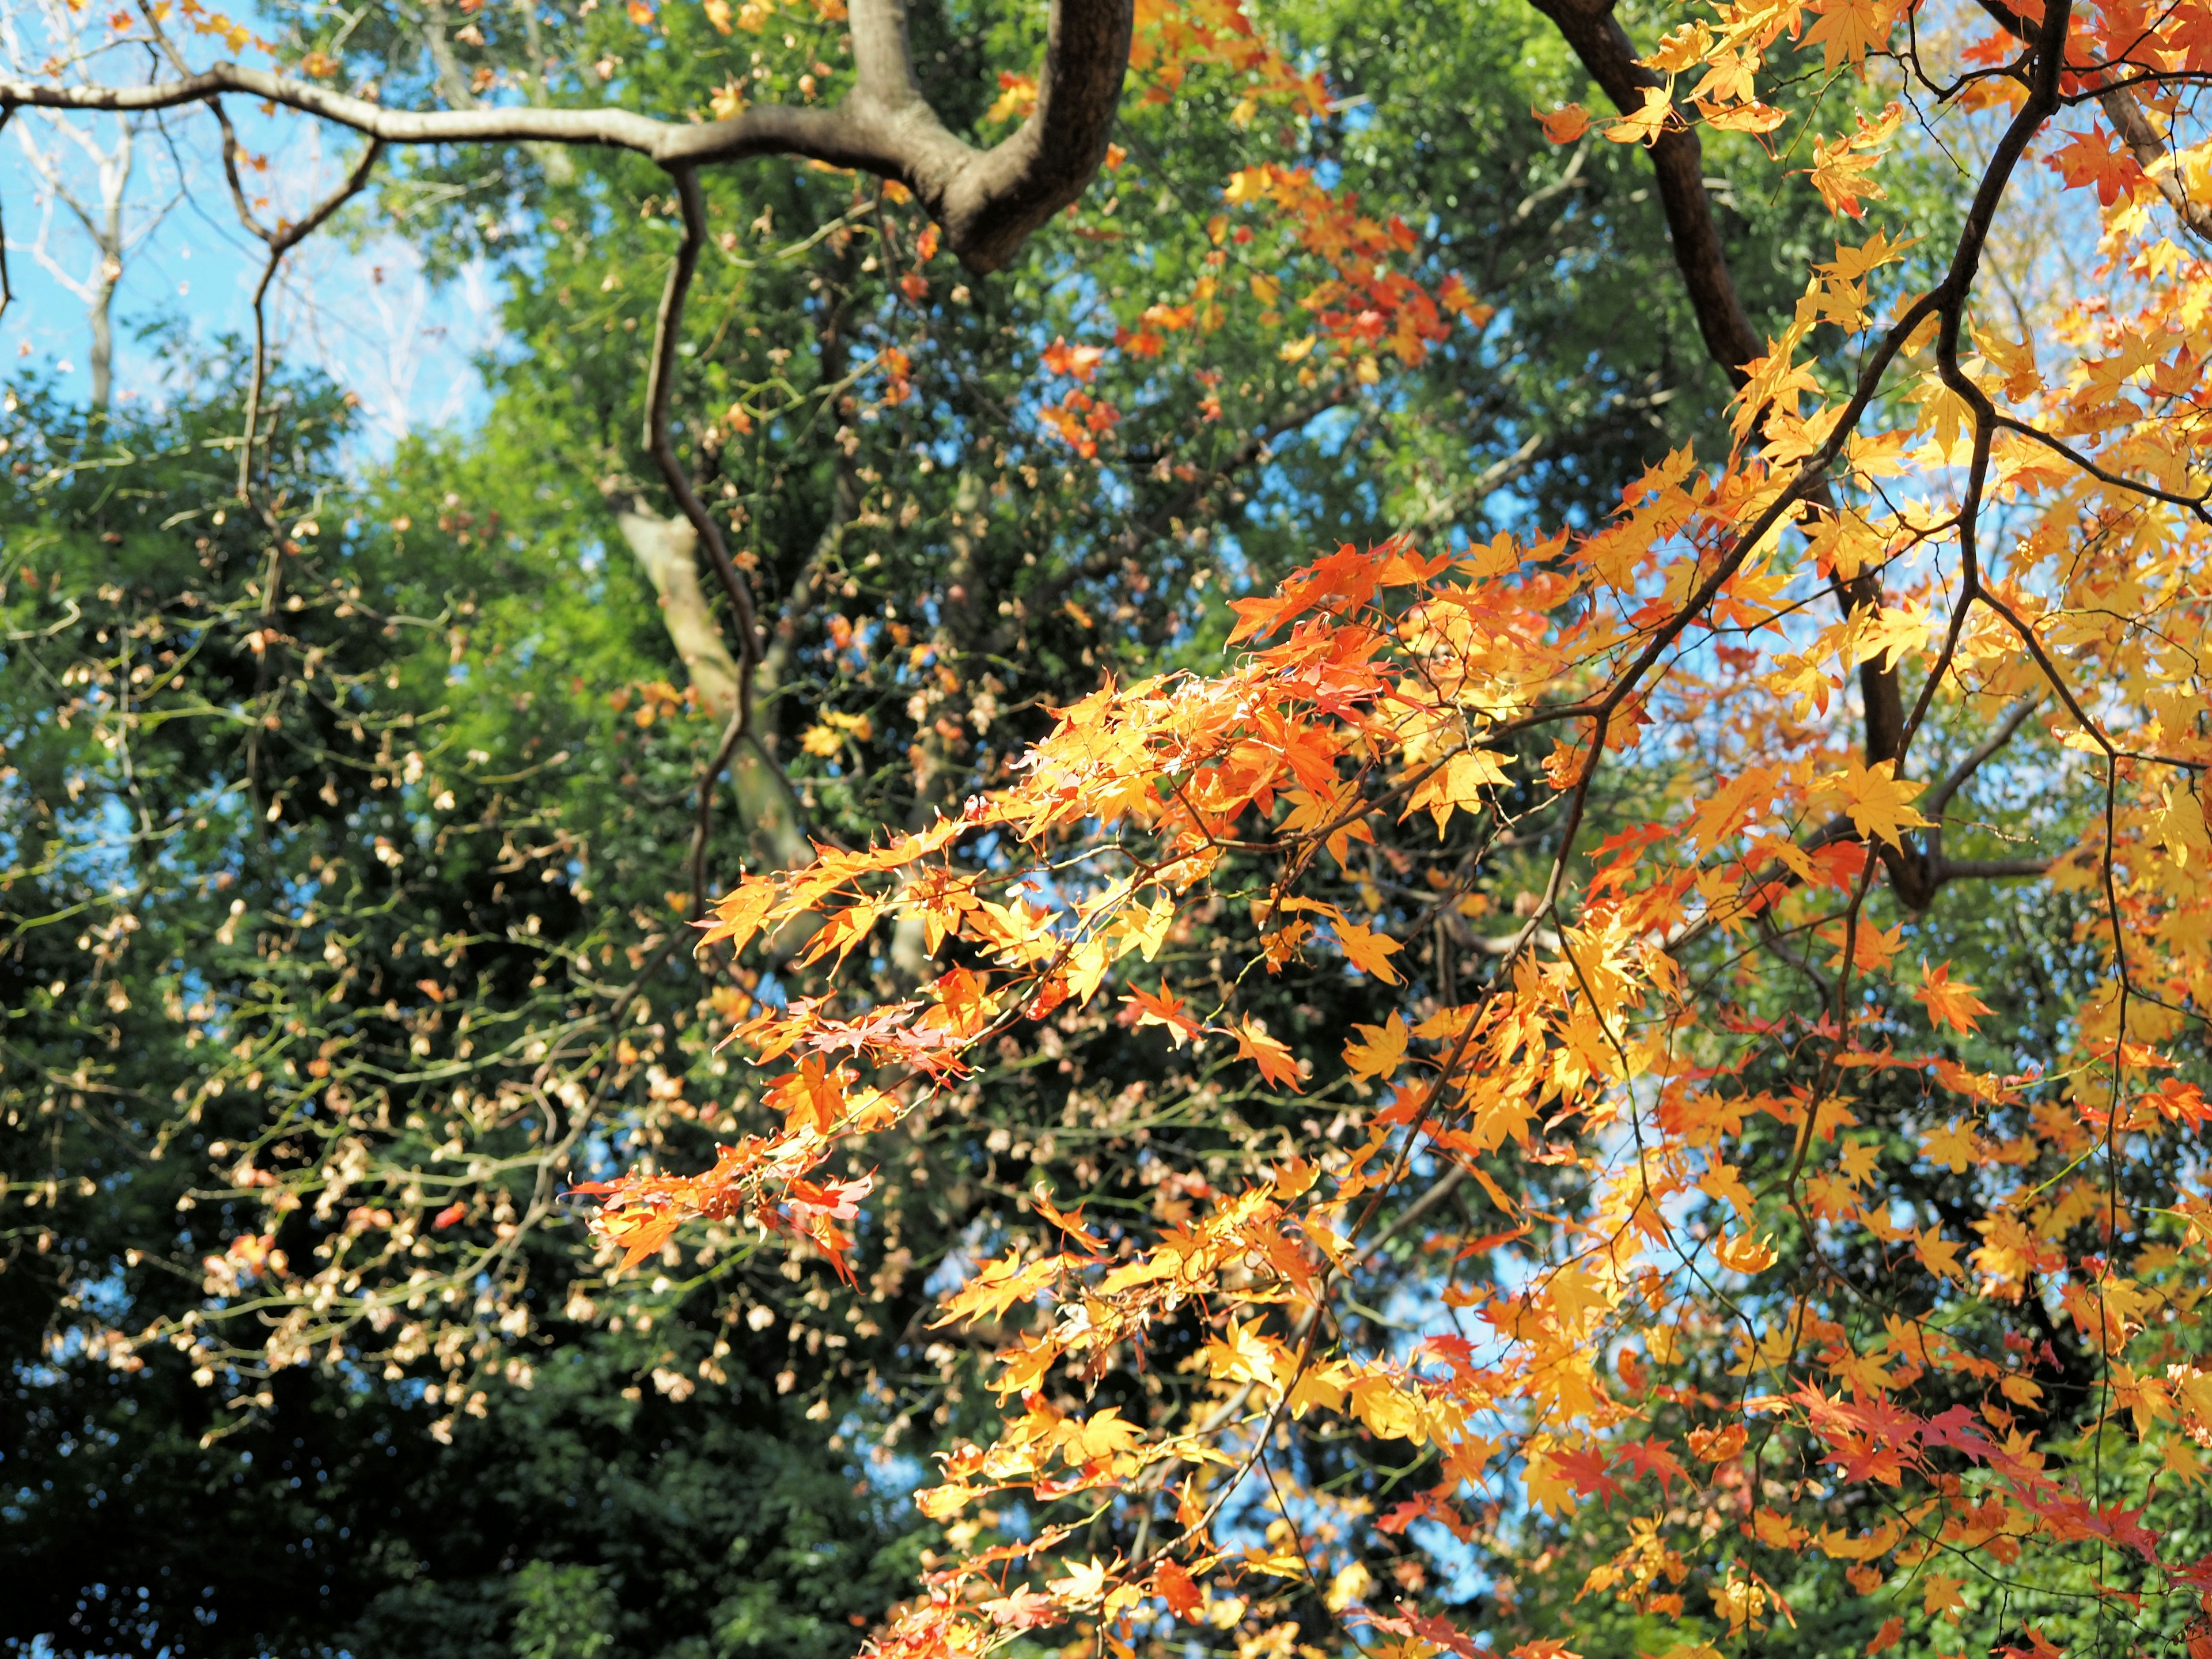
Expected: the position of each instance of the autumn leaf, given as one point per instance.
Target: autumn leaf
(1877, 801)
(1565, 124)
(813, 1098)
(1071, 1224)
(1103, 1435)
(1369, 950)
(1938, 1255)
(1948, 1001)
(1846, 30)
(1374, 1057)
(1143, 1008)
(1644, 125)
(1276, 1062)
(997, 1286)
(1956, 1147)
(1173, 1586)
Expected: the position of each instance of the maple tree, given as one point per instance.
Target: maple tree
(1670, 1082)
(1718, 1224)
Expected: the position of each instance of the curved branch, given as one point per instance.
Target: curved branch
(659, 389)
(987, 200)
(282, 240)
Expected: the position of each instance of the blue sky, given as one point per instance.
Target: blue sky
(359, 309)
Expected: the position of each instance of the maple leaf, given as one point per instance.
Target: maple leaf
(1745, 1254)
(1070, 1224)
(998, 1286)
(1648, 1458)
(1564, 124)
(1379, 1049)
(813, 1098)
(2093, 158)
(1585, 1470)
(1871, 947)
(1458, 783)
(1752, 117)
(1369, 950)
(1848, 29)
(1844, 177)
(1103, 1435)
(1948, 1001)
(1644, 125)
(1877, 801)
(1938, 1255)
(1954, 1146)
(1173, 1586)
(738, 916)
(1276, 1062)
(1142, 1008)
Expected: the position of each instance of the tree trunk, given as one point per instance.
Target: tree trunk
(668, 548)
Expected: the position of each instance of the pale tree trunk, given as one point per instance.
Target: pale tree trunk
(667, 550)
(102, 220)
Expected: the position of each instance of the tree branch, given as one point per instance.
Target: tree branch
(1678, 170)
(282, 240)
(987, 200)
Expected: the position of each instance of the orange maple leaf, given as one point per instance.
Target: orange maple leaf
(1142, 1008)
(1274, 1060)
(1948, 1001)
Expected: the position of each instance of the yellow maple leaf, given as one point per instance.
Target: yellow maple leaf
(1725, 1181)
(1871, 947)
(1878, 801)
(1369, 950)
(1940, 1595)
(1848, 29)
(1845, 177)
(1745, 1254)
(1939, 1254)
(1458, 783)
(1644, 125)
(1954, 1146)
(1376, 1054)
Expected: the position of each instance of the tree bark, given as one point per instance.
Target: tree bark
(667, 549)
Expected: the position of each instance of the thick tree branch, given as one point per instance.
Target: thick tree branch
(987, 200)
(1678, 165)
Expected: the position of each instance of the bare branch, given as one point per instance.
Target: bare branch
(282, 240)
(659, 389)
(1999, 736)
(7, 286)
